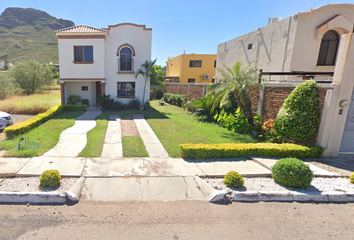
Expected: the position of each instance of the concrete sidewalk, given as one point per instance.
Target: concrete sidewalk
(152, 144)
(112, 146)
(74, 139)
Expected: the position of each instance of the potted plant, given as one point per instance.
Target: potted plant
(257, 125)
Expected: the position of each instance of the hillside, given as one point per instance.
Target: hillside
(28, 34)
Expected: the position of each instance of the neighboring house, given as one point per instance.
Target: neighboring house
(97, 61)
(191, 68)
(318, 42)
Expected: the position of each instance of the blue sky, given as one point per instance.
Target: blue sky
(192, 25)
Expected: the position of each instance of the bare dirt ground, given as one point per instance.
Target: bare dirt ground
(128, 127)
(177, 220)
(16, 118)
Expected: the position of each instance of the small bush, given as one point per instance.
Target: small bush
(105, 101)
(85, 101)
(233, 179)
(292, 172)
(225, 150)
(134, 104)
(236, 122)
(118, 106)
(175, 99)
(352, 178)
(74, 99)
(50, 178)
(156, 92)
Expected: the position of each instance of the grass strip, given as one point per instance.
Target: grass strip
(96, 137)
(133, 146)
(46, 135)
(174, 126)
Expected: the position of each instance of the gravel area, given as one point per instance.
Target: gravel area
(31, 184)
(262, 184)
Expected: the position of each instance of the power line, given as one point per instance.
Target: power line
(310, 7)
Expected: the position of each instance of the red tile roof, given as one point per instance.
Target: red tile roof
(81, 29)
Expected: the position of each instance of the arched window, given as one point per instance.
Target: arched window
(328, 49)
(125, 59)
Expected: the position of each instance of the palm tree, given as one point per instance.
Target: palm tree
(145, 71)
(236, 80)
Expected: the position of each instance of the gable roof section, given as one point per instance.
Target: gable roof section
(81, 29)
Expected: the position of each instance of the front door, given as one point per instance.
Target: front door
(348, 134)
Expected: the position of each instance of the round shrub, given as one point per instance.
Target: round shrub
(233, 179)
(352, 178)
(50, 178)
(292, 172)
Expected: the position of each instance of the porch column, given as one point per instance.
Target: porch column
(103, 88)
(62, 93)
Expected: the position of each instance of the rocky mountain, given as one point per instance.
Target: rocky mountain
(28, 34)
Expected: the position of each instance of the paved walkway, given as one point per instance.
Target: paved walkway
(112, 146)
(74, 139)
(152, 144)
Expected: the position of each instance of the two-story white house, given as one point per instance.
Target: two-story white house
(97, 61)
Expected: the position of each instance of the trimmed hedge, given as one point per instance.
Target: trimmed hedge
(225, 150)
(25, 126)
(175, 99)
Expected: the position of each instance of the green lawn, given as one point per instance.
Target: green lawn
(175, 126)
(133, 146)
(46, 135)
(96, 137)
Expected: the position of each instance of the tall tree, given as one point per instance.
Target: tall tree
(145, 71)
(32, 76)
(238, 81)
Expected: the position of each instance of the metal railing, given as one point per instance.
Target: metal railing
(296, 76)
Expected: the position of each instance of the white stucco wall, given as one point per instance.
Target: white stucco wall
(140, 40)
(306, 42)
(271, 47)
(75, 88)
(68, 69)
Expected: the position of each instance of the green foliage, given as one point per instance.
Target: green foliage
(272, 136)
(32, 76)
(292, 172)
(157, 91)
(352, 178)
(203, 107)
(157, 76)
(236, 122)
(7, 86)
(50, 178)
(134, 104)
(299, 116)
(206, 151)
(238, 81)
(105, 101)
(118, 106)
(74, 108)
(145, 71)
(234, 180)
(85, 101)
(175, 99)
(23, 127)
(74, 99)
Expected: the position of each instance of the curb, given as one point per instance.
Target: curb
(74, 193)
(291, 196)
(32, 197)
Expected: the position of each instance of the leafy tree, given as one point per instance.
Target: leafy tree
(145, 71)
(7, 86)
(6, 62)
(157, 76)
(32, 76)
(238, 81)
(299, 118)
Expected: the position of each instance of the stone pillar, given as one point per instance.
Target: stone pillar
(62, 93)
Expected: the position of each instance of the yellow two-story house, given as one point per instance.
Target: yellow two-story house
(191, 68)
